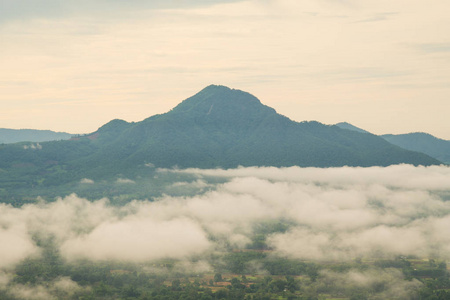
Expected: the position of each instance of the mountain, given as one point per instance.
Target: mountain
(348, 126)
(217, 127)
(8, 136)
(417, 141)
(422, 142)
(222, 127)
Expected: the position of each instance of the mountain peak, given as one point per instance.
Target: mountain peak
(216, 88)
(114, 125)
(218, 102)
(348, 126)
(217, 127)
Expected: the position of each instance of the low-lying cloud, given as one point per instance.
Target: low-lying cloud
(333, 214)
(390, 281)
(60, 288)
(138, 239)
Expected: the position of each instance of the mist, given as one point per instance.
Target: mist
(336, 214)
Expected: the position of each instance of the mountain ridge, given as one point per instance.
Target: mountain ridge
(9, 136)
(414, 141)
(422, 142)
(217, 127)
(348, 126)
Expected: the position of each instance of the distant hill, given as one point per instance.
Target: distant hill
(217, 127)
(422, 142)
(8, 136)
(348, 126)
(417, 141)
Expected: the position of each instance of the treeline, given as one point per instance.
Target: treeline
(120, 189)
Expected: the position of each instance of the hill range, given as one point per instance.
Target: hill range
(218, 127)
(9, 136)
(415, 141)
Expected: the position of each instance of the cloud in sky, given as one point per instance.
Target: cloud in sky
(29, 9)
(378, 17)
(334, 214)
(75, 65)
(433, 48)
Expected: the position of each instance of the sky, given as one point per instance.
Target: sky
(72, 66)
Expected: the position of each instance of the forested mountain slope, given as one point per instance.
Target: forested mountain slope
(217, 127)
(422, 142)
(416, 141)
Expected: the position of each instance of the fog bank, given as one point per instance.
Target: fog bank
(333, 214)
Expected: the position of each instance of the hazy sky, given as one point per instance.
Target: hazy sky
(74, 65)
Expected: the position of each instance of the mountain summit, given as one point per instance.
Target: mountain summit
(217, 101)
(221, 106)
(223, 127)
(217, 127)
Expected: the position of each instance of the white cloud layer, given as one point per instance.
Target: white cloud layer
(138, 239)
(60, 288)
(392, 280)
(336, 214)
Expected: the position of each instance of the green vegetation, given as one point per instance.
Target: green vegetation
(149, 184)
(234, 278)
(416, 141)
(422, 142)
(218, 127)
(8, 136)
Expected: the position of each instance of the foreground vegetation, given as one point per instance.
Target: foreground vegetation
(250, 236)
(243, 274)
(218, 127)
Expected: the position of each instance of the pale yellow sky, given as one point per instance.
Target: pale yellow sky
(72, 66)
